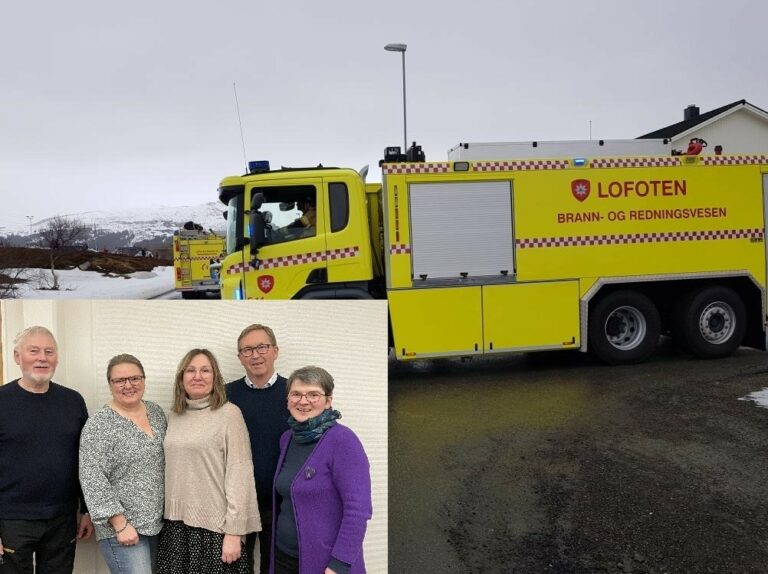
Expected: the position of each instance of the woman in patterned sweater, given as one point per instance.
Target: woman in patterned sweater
(122, 468)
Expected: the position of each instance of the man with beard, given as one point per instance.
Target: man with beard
(40, 424)
(263, 399)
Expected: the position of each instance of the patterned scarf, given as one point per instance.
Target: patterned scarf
(312, 429)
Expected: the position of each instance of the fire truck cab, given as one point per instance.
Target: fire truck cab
(297, 234)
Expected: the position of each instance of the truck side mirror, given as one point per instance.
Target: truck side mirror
(257, 200)
(258, 231)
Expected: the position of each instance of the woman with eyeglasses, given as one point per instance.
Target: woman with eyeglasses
(322, 490)
(210, 495)
(121, 470)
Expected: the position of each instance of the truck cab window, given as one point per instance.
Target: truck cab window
(338, 200)
(290, 212)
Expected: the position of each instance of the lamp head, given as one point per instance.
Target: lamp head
(395, 47)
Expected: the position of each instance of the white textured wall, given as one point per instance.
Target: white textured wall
(347, 338)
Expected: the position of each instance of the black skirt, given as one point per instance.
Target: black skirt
(188, 550)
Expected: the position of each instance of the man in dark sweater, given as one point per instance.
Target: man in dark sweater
(40, 424)
(262, 397)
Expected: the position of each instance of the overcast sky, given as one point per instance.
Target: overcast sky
(108, 104)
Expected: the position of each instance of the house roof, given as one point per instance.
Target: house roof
(680, 127)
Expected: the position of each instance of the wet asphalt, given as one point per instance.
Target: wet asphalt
(554, 463)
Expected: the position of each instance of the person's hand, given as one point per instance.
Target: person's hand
(2, 550)
(230, 549)
(86, 527)
(329, 571)
(128, 537)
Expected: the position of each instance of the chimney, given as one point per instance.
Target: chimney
(691, 112)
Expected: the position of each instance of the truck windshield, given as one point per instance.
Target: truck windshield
(234, 222)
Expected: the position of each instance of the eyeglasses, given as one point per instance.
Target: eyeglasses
(312, 396)
(204, 371)
(135, 380)
(261, 349)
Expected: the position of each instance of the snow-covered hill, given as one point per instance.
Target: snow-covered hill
(131, 226)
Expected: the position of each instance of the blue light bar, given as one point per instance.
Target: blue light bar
(579, 161)
(259, 166)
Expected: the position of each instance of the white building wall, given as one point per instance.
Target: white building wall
(347, 338)
(741, 132)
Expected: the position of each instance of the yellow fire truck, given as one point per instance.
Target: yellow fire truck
(193, 251)
(490, 256)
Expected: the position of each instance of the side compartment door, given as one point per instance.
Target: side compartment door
(531, 316)
(436, 322)
(461, 229)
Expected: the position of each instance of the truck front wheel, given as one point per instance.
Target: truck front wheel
(624, 328)
(712, 322)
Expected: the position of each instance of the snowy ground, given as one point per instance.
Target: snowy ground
(77, 284)
(760, 397)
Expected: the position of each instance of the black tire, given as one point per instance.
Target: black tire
(712, 322)
(624, 328)
(190, 295)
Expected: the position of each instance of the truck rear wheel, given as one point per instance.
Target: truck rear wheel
(712, 322)
(624, 328)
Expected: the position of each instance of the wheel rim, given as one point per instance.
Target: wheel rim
(625, 328)
(717, 322)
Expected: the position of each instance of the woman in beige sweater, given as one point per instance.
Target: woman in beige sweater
(210, 495)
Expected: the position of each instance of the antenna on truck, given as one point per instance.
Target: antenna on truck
(240, 123)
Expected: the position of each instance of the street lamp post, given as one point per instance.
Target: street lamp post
(30, 218)
(401, 48)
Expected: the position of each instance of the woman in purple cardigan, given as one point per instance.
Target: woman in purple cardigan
(322, 489)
